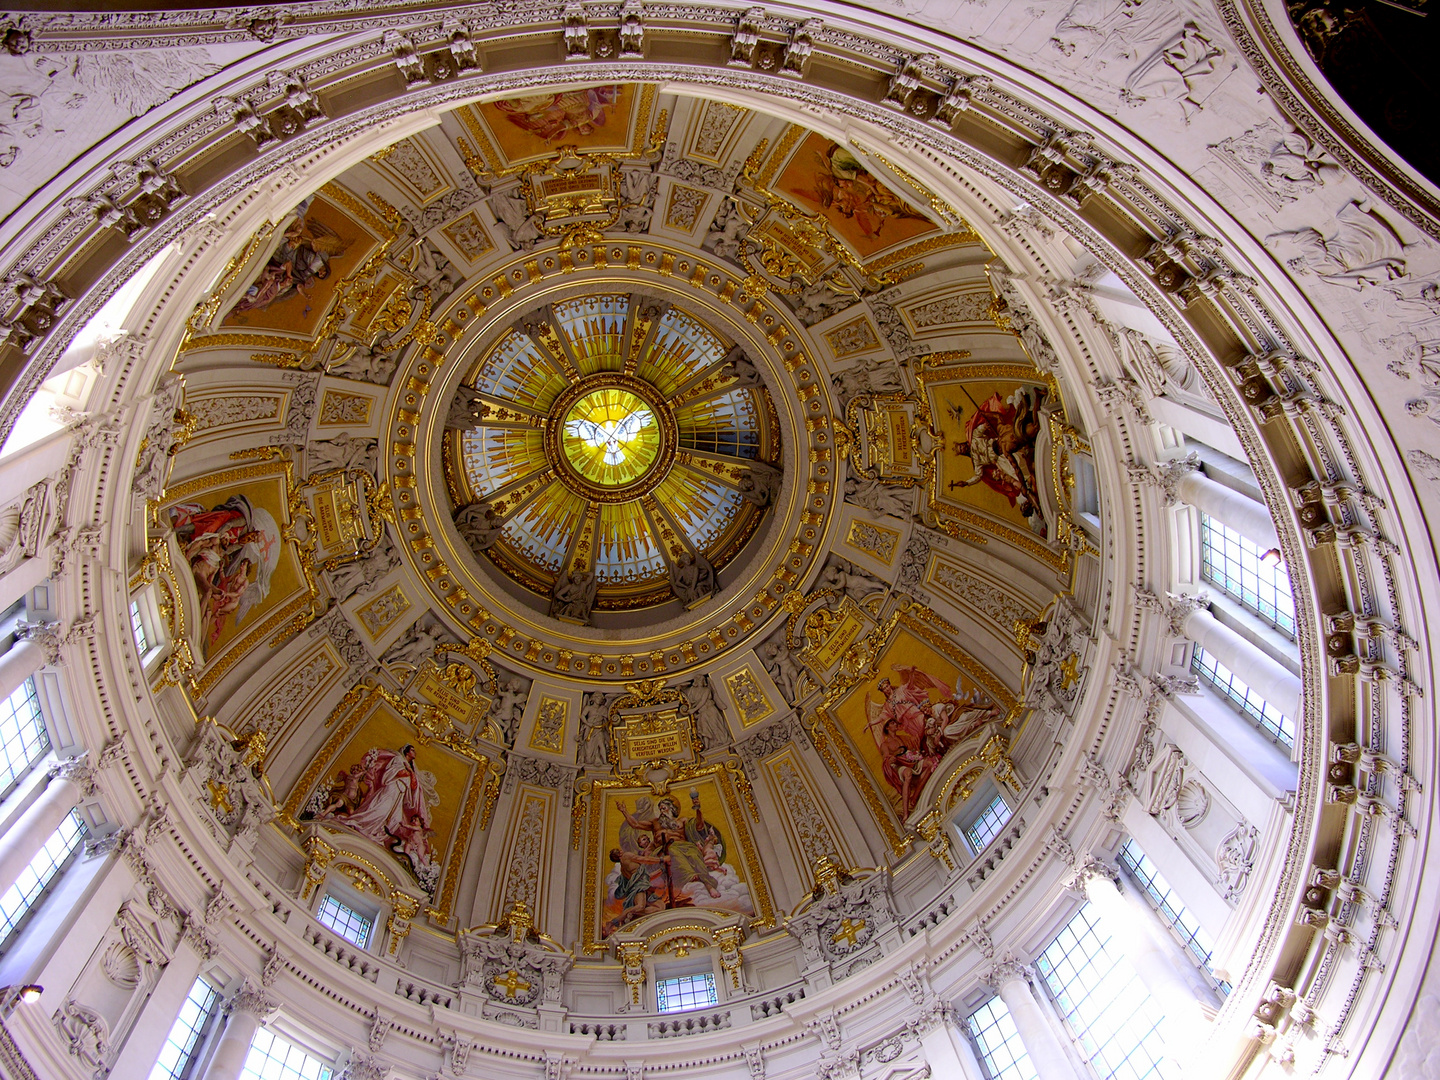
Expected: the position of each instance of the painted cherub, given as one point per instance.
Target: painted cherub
(345, 791)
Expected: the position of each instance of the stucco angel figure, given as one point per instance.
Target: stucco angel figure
(692, 579)
(480, 526)
(574, 596)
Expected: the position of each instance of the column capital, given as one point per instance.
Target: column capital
(1166, 475)
(45, 636)
(252, 999)
(1007, 969)
(78, 771)
(1091, 869)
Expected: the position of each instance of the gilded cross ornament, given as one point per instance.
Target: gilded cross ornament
(512, 983)
(219, 796)
(849, 931)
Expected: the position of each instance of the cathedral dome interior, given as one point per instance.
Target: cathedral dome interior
(631, 540)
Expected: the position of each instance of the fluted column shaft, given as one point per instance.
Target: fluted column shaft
(27, 836)
(1037, 1035)
(1261, 672)
(1242, 513)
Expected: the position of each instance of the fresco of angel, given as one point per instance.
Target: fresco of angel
(302, 259)
(232, 550)
(914, 732)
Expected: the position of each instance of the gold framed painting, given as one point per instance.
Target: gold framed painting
(247, 572)
(320, 245)
(686, 847)
(384, 779)
(920, 704)
(993, 462)
(822, 177)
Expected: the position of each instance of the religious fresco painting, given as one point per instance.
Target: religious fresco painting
(536, 125)
(825, 178)
(388, 788)
(678, 850)
(242, 568)
(319, 246)
(988, 459)
(910, 714)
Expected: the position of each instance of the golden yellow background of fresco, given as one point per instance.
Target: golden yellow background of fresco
(286, 582)
(289, 314)
(906, 650)
(518, 144)
(798, 181)
(953, 466)
(385, 730)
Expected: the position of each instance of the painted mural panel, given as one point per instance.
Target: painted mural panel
(688, 847)
(387, 787)
(826, 179)
(321, 244)
(595, 118)
(231, 536)
(989, 430)
(906, 718)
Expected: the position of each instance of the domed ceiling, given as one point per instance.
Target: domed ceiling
(613, 442)
(610, 454)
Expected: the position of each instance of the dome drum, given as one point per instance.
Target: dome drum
(624, 537)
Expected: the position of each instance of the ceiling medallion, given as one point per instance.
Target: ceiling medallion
(611, 437)
(607, 449)
(494, 525)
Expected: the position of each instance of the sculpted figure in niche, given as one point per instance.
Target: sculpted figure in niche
(574, 597)
(509, 707)
(361, 575)
(594, 734)
(465, 410)
(637, 190)
(434, 271)
(877, 498)
(419, 641)
(740, 369)
(819, 301)
(709, 720)
(692, 580)
(727, 231)
(373, 363)
(480, 526)
(342, 452)
(849, 580)
(869, 377)
(787, 674)
(760, 485)
(521, 228)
